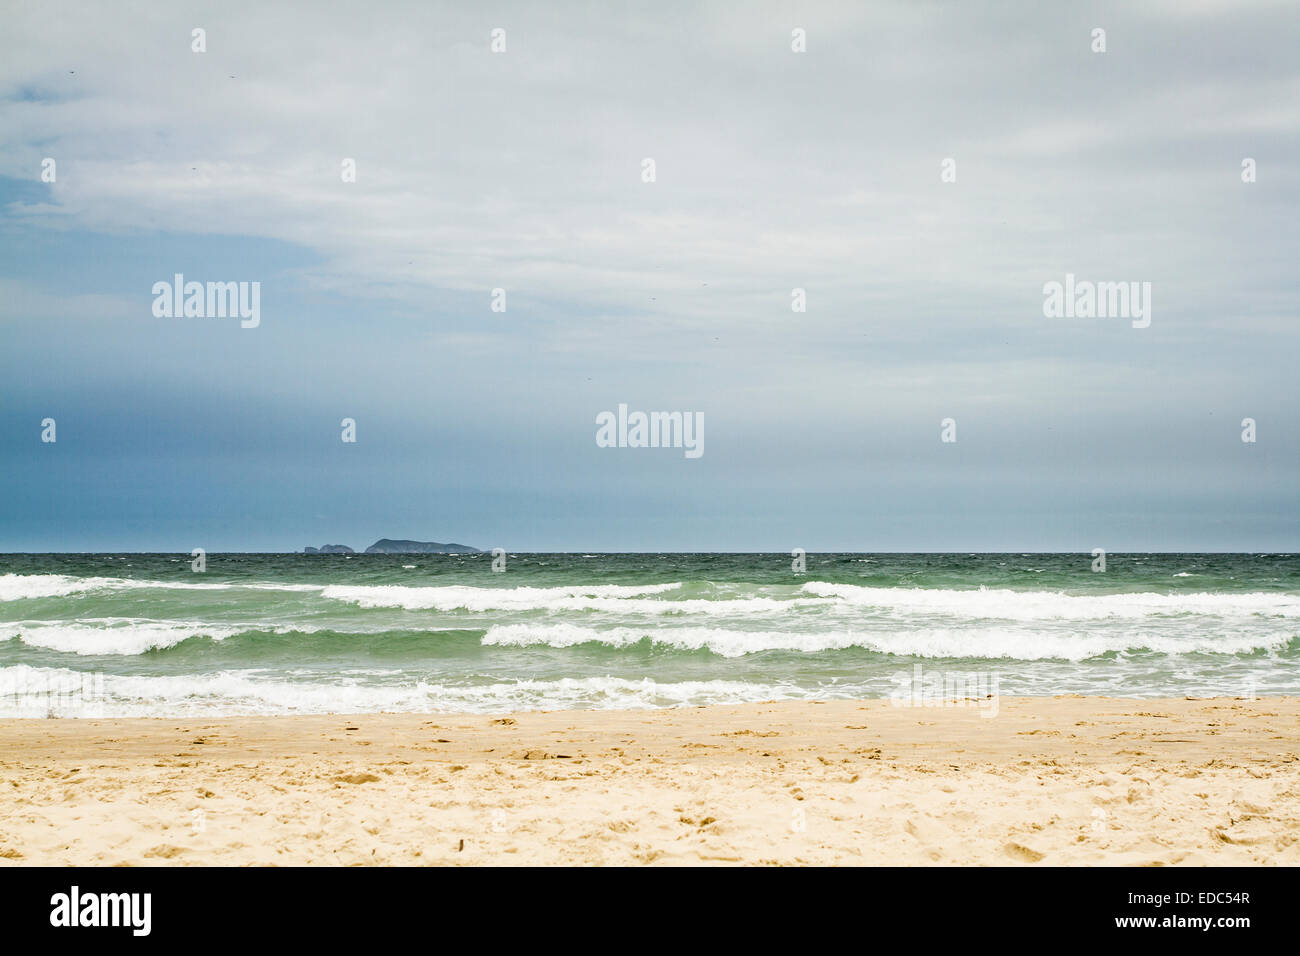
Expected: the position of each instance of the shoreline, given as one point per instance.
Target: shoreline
(1049, 780)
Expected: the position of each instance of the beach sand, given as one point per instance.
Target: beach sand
(1067, 780)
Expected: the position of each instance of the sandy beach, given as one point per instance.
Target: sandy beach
(1067, 780)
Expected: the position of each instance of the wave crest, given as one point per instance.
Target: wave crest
(1011, 605)
(952, 643)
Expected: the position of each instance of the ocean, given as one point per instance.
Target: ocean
(145, 635)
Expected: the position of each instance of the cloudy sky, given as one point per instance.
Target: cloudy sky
(774, 170)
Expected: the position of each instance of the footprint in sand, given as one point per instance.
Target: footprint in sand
(357, 778)
(1022, 853)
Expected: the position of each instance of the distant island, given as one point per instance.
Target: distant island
(391, 546)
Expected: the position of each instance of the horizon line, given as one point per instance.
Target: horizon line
(488, 553)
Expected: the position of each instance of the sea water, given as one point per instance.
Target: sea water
(144, 634)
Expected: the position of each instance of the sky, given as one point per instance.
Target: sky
(829, 170)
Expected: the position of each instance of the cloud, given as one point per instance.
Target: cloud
(775, 170)
(478, 170)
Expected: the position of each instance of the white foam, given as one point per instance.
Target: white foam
(26, 691)
(1005, 604)
(965, 642)
(123, 636)
(618, 597)
(17, 587)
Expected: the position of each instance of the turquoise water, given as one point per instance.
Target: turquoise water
(136, 634)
